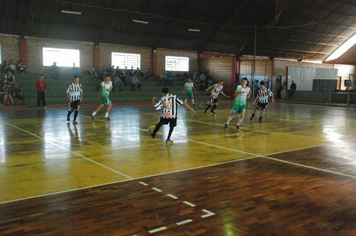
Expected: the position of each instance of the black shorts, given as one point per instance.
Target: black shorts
(261, 105)
(215, 100)
(74, 105)
(171, 122)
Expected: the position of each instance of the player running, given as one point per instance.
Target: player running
(75, 97)
(169, 104)
(104, 93)
(262, 97)
(188, 91)
(242, 93)
(216, 89)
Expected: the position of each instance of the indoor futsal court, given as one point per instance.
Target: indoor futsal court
(292, 174)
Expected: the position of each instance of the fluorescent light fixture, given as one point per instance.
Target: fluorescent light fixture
(317, 62)
(341, 50)
(194, 30)
(72, 12)
(140, 21)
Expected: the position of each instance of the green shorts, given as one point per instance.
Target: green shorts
(237, 109)
(189, 95)
(105, 100)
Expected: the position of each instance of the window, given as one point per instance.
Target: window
(125, 59)
(177, 63)
(63, 57)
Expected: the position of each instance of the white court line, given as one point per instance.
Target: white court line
(172, 196)
(143, 183)
(157, 230)
(209, 213)
(157, 189)
(77, 154)
(184, 222)
(189, 204)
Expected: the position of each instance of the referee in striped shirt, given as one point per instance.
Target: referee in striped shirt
(75, 97)
(168, 105)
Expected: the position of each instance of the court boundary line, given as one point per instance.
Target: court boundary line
(77, 154)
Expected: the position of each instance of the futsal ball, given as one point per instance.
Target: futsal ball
(151, 128)
(7, 103)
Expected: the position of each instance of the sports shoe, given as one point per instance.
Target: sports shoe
(38, 108)
(75, 122)
(169, 141)
(204, 111)
(107, 118)
(92, 117)
(237, 127)
(68, 119)
(212, 112)
(225, 127)
(260, 120)
(251, 118)
(44, 107)
(153, 136)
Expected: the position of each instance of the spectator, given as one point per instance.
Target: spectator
(169, 79)
(123, 78)
(104, 72)
(12, 67)
(322, 89)
(148, 74)
(267, 81)
(5, 67)
(279, 88)
(21, 67)
(162, 79)
(17, 93)
(4, 92)
(112, 71)
(118, 82)
(41, 92)
(210, 81)
(292, 89)
(135, 83)
(10, 79)
(117, 71)
(93, 73)
(132, 71)
(138, 71)
(75, 70)
(256, 88)
(55, 71)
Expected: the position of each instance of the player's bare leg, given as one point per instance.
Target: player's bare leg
(97, 110)
(107, 112)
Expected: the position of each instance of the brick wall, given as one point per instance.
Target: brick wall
(10, 49)
(193, 60)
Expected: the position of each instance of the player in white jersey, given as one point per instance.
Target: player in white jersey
(75, 97)
(216, 89)
(168, 104)
(188, 91)
(104, 93)
(262, 97)
(242, 93)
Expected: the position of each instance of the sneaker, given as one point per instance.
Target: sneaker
(75, 122)
(260, 120)
(212, 112)
(237, 127)
(38, 108)
(44, 107)
(193, 105)
(68, 119)
(92, 117)
(169, 141)
(225, 127)
(153, 136)
(205, 111)
(107, 118)
(251, 118)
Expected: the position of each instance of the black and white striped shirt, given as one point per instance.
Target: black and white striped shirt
(169, 105)
(263, 95)
(74, 92)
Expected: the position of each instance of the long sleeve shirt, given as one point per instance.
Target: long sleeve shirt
(41, 85)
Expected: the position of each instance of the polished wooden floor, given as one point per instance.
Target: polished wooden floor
(293, 174)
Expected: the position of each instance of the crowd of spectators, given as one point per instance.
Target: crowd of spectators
(12, 67)
(9, 90)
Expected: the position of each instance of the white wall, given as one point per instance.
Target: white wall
(344, 71)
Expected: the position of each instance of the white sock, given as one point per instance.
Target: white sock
(94, 113)
(106, 115)
(185, 100)
(229, 119)
(239, 121)
(193, 100)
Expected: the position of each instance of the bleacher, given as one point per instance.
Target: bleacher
(56, 94)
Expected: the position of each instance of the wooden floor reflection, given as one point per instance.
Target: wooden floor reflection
(293, 174)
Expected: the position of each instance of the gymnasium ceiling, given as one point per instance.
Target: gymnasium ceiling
(295, 29)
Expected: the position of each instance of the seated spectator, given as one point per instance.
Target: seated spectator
(4, 93)
(138, 71)
(117, 71)
(75, 70)
(132, 71)
(148, 74)
(12, 67)
(5, 66)
(17, 93)
(21, 67)
(163, 79)
(118, 82)
(104, 72)
(54, 70)
(169, 79)
(210, 81)
(135, 83)
(112, 71)
(93, 73)
(292, 89)
(202, 81)
(10, 79)
(123, 78)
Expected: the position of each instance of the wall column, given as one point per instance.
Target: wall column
(154, 62)
(96, 57)
(235, 66)
(23, 53)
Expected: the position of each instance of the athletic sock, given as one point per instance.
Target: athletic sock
(207, 108)
(253, 115)
(75, 115)
(185, 100)
(193, 101)
(94, 113)
(69, 112)
(212, 109)
(239, 121)
(170, 132)
(260, 118)
(156, 129)
(229, 119)
(106, 115)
